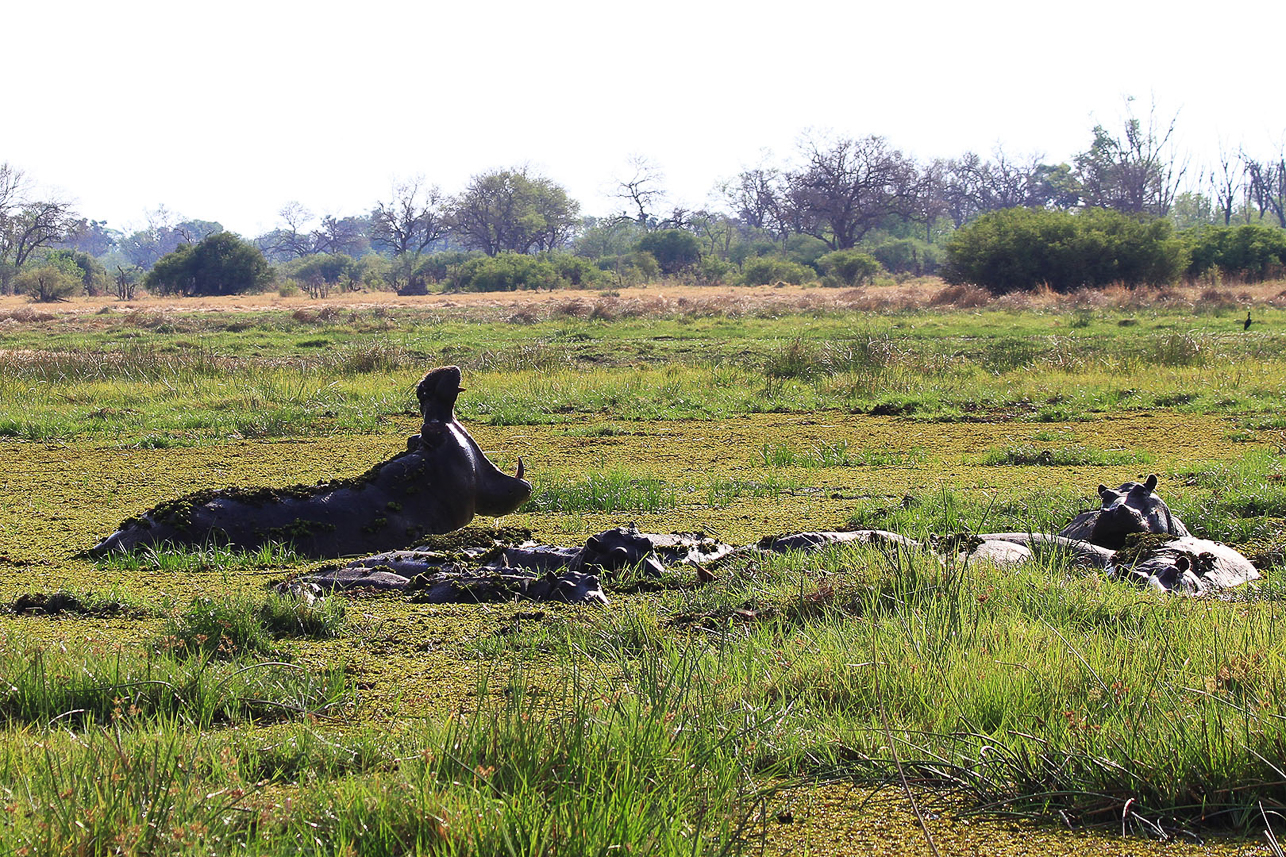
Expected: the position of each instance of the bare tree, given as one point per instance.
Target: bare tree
(717, 230)
(1227, 181)
(412, 220)
(848, 187)
(642, 190)
(293, 239)
(1137, 172)
(757, 197)
(336, 235)
(126, 281)
(1267, 186)
(963, 188)
(32, 226)
(27, 223)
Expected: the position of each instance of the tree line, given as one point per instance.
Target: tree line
(775, 221)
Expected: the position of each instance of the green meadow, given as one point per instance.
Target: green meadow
(857, 700)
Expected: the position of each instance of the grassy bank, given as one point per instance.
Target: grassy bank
(795, 703)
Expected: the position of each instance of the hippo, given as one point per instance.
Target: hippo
(817, 540)
(1183, 564)
(1132, 508)
(623, 547)
(436, 486)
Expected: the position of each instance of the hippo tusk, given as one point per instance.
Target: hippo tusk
(521, 469)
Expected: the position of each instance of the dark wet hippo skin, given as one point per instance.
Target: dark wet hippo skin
(531, 571)
(1185, 564)
(817, 540)
(437, 485)
(1132, 508)
(626, 547)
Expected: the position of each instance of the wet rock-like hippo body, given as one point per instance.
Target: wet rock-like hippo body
(436, 486)
(1132, 508)
(1184, 564)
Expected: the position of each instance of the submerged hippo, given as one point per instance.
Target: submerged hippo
(1184, 564)
(436, 486)
(1132, 508)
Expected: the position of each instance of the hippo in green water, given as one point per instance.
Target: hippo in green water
(437, 485)
(1132, 508)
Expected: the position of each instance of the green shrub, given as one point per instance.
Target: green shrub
(907, 256)
(848, 268)
(222, 264)
(1250, 251)
(47, 283)
(574, 271)
(507, 272)
(1020, 249)
(321, 268)
(90, 271)
(630, 269)
(674, 249)
(436, 267)
(774, 269)
(712, 270)
(805, 250)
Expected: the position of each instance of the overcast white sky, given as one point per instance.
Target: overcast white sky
(225, 111)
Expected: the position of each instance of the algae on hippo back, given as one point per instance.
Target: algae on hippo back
(437, 485)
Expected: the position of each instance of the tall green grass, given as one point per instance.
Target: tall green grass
(72, 685)
(152, 384)
(612, 491)
(650, 767)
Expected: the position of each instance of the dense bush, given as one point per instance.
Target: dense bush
(773, 269)
(712, 270)
(848, 268)
(436, 267)
(92, 274)
(1250, 251)
(222, 264)
(508, 272)
(805, 250)
(630, 269)
(48, 282)
(1021, 248)
(573, 270)
(331, 269)
(907, 256)
(673, 249)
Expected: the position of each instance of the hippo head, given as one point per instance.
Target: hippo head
(1132, 508)
(495, 493)
(622, 547)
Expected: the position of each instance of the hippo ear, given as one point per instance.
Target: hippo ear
(1151, 483)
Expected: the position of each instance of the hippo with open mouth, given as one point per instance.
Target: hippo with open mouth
(436, 486)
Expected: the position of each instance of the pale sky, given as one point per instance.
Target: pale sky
(226, 111)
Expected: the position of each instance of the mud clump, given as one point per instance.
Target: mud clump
(62, 604)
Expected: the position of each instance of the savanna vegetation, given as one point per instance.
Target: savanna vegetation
(167, 703)
(786, 358)
(840, 212)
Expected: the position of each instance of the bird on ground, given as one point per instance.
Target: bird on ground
(1246, 324)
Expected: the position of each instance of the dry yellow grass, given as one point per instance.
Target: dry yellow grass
(669, 297)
